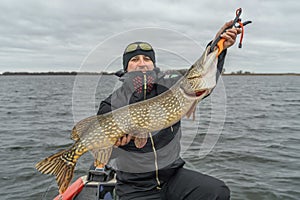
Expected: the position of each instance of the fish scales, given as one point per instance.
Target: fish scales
(99, 133)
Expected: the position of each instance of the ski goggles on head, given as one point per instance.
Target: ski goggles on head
(134, 46)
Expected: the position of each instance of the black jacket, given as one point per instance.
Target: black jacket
(135, 167)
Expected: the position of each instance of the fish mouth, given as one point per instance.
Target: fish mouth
(195, 94)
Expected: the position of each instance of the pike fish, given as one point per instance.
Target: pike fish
(99, 133)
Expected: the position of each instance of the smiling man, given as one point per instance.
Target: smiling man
(143, 80)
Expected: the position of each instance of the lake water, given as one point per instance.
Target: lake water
(257, 153)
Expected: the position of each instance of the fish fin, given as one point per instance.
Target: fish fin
(101, 155)
(140, 140)
(60, 167)
(83, 126)
(74, 134)
(192, 110)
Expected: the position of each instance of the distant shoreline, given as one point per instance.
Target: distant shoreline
(264, 74)
(54, 73)
(112, 73)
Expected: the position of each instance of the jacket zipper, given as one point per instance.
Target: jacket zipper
(152, 141)
(155, 162)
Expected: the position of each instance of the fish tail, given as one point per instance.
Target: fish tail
(61, 165)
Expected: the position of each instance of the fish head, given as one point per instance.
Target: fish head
(200, 79)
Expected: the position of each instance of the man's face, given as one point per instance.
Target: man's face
(140, 63)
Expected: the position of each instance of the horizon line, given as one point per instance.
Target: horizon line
(239, 72)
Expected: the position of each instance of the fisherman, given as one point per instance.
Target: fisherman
(151, 168)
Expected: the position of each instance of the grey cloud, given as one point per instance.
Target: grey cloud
(54, 35)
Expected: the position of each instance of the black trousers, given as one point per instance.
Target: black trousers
(186, 185)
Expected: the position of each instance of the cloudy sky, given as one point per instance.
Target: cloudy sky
(61, 35)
